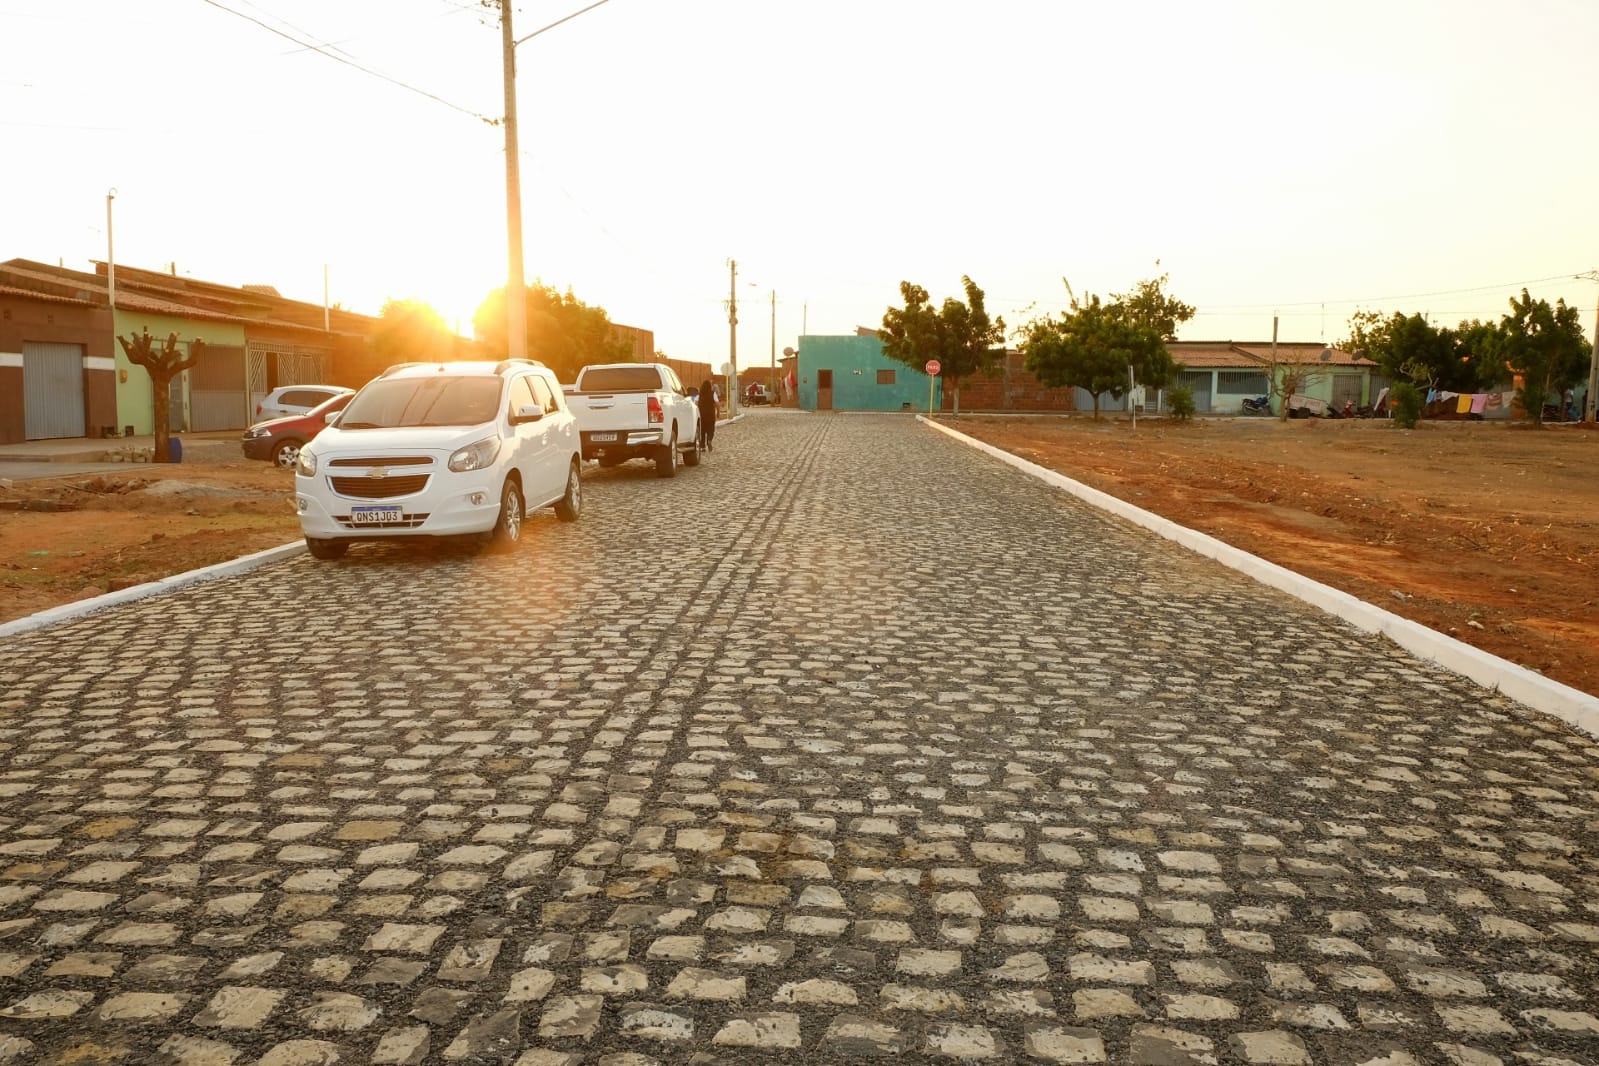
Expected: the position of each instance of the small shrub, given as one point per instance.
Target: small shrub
(1406, 399)
(1180, 401)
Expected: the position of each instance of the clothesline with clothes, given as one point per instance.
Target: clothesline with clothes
(1473, 403)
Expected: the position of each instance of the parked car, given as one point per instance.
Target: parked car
(296, 400)
(441, 449)
(755, 393)
(636, 411)
(279, 440)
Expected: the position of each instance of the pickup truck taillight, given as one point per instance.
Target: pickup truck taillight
(657, 416)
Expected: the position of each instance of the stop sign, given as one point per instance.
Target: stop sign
(933, 367)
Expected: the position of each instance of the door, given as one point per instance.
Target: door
(218, 395)
(549, 461)
(52, 390)
(824, 390)
(1345, 390)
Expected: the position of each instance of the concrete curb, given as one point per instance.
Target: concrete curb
(68, 611)
(1570, 705)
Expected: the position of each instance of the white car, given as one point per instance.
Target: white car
(440, 449)
(292, 400)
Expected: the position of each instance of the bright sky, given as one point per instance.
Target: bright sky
(1411, 155)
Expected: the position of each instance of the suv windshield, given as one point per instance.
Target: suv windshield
(621, 379)
(445, 400)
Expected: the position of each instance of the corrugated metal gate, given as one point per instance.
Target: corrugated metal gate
(1345, 389)
(1199, 381)
(52, 390)
(217, 395)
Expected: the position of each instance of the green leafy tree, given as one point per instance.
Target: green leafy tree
(960, 334)
(1150, 305)
(1545, 347)
(1410, 348)
(563, 332)
(1092, 348)
(1180, 401)
(162, 364)
(411, 331)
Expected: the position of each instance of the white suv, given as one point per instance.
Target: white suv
(440, 449)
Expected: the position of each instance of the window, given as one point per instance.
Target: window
(1241, 383)
(621, 379)
(541, 392)
(885, 377)
(519, 395)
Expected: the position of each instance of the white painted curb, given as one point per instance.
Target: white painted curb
(1570, 705)
(79, 608)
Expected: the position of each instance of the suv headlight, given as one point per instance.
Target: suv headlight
(306, 465)
(474, 456)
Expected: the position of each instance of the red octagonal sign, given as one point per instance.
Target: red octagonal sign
(933, 367)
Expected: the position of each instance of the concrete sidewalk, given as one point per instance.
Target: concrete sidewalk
(80, 450)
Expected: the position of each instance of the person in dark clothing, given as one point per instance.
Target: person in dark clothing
(707, 402)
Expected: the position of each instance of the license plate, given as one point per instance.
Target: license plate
(366, 516)
(602, 436)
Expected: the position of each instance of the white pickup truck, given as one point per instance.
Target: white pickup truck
(636, 411)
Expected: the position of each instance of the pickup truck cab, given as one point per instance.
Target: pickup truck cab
(636, 411)
(440, 449)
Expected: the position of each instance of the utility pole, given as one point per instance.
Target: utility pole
(110, 258)
(1588, 410)
(327, 326)
(732, 337)
(771, 380)
(516, 275)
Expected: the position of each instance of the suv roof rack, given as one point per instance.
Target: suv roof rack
(506, 364)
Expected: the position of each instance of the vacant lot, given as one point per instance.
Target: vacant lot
(64, 539)
(1487, 532)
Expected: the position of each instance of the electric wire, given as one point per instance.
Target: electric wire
(351, 63)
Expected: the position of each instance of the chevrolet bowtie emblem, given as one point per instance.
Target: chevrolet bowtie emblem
(378, 471)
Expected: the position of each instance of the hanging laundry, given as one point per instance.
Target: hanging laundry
(1463, 407)
(1479, 402)
(1432, 394)
(1495, 401)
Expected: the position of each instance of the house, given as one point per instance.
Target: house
(255, 341)
(1222, 374)
(852, 374)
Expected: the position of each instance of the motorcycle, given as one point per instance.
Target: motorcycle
(1256, 405)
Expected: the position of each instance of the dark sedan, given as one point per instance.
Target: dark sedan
(278, 440)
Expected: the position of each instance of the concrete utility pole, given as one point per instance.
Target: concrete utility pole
(1593, 366)
(732, 336)
(771, 381)
(516, 274)
(110, 257)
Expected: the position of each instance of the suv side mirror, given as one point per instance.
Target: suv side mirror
(529, 412)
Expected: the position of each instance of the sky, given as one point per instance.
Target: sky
(1302, 159)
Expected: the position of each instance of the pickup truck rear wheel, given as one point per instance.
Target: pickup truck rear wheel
(666, 458)
(692, 456)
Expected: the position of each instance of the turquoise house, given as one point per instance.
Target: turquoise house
(853, 374)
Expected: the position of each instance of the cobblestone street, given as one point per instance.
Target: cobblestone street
(849, 744)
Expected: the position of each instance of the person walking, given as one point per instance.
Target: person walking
(708, 409)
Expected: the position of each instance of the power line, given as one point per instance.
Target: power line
(351, 63)
(557, 22)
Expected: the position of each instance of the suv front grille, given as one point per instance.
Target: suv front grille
(379, 488)
(385, 460)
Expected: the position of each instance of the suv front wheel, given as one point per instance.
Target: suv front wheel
(326, 547)
(508, 527)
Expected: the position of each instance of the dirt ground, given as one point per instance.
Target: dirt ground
(1485, 531)
(69, 538)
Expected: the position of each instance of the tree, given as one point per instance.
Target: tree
(410, 330)
(1093, 346)
(162, 365)
(1410, 348)
(961, 336)
(1291, 375)
(1149, 305)
(1544, 346)
(563, 332)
